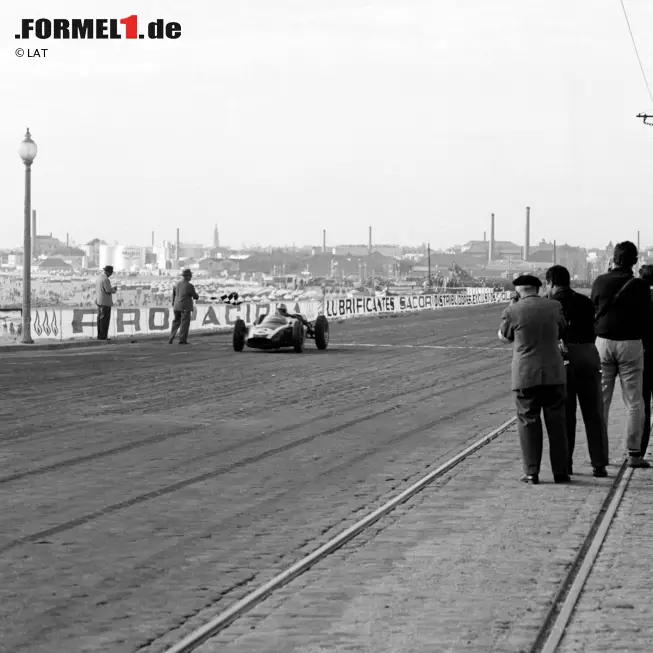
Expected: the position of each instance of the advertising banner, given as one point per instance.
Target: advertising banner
(66, 324)
(401, 304)
(81, 323)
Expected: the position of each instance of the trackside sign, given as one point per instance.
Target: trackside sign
(373, 305)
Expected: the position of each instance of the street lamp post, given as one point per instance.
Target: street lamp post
(27, 153)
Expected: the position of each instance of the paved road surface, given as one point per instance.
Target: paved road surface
(614, 611)
(143, 485)
(469, 565)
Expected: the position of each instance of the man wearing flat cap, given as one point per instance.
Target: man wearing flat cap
(535, 326)
(104, 292)
(183, 295)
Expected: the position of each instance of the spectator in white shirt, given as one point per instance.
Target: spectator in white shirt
(104, 300)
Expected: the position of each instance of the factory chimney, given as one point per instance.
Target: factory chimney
(369, 244)
(485, 236)
(152, 239)
(490, 250)
(177, 250)
(527, 241)
(323, 241)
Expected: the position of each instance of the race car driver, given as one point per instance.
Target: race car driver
(282, 310)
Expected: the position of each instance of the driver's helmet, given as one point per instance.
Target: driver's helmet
(282, 309)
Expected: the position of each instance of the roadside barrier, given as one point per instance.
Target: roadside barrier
(50, 324)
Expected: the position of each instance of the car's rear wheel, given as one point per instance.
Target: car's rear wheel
(298, 336)
(240, 332)
(322, 332)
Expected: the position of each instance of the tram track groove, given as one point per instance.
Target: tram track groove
(564, 603)
(113, 547)
(554, 625)
(191, 642)
(236, 519)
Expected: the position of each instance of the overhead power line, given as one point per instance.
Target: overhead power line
(632, 38)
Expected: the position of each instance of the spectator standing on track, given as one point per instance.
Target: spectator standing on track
(583, 369)
(623, 302)
(535, 326)
(646, 273)
(183, 295)
(104, 292)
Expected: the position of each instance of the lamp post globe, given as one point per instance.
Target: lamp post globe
(27, 151)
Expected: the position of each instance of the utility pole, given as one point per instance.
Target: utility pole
(554, 253)
(638, 240)
(429, 259)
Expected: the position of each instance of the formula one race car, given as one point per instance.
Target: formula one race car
(275, 330)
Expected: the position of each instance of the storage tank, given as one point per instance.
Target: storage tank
(122, 257)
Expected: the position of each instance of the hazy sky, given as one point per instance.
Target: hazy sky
(278, 118)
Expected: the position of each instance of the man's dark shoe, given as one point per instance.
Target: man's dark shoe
(171, 341)
(600, 472)
(561, 478)
(533, 479)
(638, 462)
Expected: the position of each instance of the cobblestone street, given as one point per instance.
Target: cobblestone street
(146, 489)
(472, 563)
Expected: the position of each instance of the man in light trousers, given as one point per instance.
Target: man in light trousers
(622, 302)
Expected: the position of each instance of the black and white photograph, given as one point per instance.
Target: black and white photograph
(326, 326)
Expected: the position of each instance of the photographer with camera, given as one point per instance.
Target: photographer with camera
(583, 369)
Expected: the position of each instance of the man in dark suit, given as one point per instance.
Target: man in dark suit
(583, 369)
(536, 325)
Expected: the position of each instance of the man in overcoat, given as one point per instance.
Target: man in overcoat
(183, 295)
(535, 326)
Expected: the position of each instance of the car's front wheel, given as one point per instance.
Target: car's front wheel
(298, 336)
(321, 332)
(240, 333)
